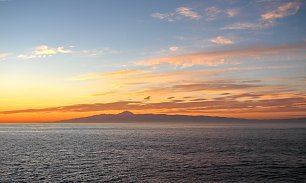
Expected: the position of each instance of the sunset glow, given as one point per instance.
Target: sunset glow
(75, 58)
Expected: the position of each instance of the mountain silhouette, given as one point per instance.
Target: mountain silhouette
(128, 116)
(126, 113)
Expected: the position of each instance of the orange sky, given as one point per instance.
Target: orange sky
(206, 58)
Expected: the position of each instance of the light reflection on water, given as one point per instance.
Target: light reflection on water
(172, 152)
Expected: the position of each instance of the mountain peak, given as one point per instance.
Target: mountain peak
(126, 113)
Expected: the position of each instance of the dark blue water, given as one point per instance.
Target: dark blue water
(152, 153)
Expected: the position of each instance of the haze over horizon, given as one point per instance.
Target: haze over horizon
(74, 58)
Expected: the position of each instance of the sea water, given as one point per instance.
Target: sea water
(156, 152)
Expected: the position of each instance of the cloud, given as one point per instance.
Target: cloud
(249, 25)
(212, 13)
(141, 82)
(211, 86)
(168, 83)
(226, 106)
(188, 12)
(43, 51)
(23, 56)
(110, 74)
(101, 51)
(46, 50)
(186, 60)
(173, 48)
(216, 58)
(3, 56)
(232, 12)
(235, 69)
(78, 108)
(179, 14)
(282, 11)
(222, 40)
(104, 93)
(147, 98)
(268, 20)
(164, 16)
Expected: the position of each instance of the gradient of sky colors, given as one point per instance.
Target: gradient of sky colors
(236, 58)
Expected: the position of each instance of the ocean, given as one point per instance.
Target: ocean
(153, 152)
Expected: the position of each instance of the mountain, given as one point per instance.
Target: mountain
(127, 116)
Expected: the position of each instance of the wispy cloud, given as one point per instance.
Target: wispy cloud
(228, 106)
(208, 59)
(110, 74)
(216, 58)
(218, 85)
(188, 12)
(213, 13)
(104, 93)
(43, 51)
(46, 50)
(101, 51)
(249, 25)
(232, 12)
(193, 81)
(173, 48)
(267, 20)
(210, 13)
(282, 11)
(179, 14)
(78, 108)
(222, 40)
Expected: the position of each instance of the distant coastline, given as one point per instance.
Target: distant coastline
(127, 116)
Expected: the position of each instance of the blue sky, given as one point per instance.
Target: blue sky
(83, 48)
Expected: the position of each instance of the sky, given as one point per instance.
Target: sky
(74, 58)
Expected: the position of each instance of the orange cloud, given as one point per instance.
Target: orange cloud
(221, 40)
(110, 74)
(188, 12)
(205, 86)
(282, 11)
(164, 83)
(226, 107)
(216, 58)
(232, 12)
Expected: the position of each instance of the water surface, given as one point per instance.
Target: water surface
(152, 152)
